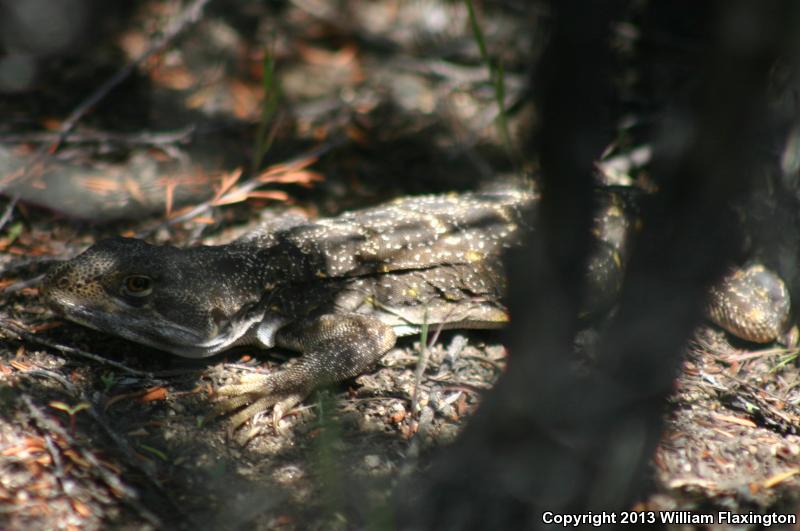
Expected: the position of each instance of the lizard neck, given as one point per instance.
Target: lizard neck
(277, 259)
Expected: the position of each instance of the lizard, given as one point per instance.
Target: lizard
(338, 290)
(342, 290)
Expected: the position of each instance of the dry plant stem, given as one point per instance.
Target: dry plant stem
(22, 284)
(19, 266)
(143, 138)
(8, 326)
(422, 363)
(245, 187)
(12, 202)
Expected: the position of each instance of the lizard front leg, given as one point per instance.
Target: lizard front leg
(335, 347)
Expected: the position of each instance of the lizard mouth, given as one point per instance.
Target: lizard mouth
(126, 321)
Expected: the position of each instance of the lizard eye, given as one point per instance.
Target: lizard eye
(138, 285)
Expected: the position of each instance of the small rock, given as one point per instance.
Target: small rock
(372, 461)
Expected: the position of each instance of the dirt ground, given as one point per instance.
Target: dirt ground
(100, 433)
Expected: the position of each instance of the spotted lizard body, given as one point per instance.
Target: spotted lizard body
(341, 290)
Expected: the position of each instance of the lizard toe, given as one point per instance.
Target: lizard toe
(247, 384)
(253, 395)
(284, 407)
(259, 405)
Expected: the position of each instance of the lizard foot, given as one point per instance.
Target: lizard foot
(255, 394)
(335, 347)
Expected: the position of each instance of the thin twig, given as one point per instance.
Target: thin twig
(53, 375)
(144, 138)
(422, 363)
(55, 456)
(9, 211)
(22, 284)
(9, 326)
(24, 263)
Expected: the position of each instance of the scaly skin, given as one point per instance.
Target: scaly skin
(751, 303)
(338, 290)
(341, 290)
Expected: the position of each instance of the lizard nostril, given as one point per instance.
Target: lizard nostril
(62, 283)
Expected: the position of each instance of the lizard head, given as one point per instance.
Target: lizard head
(160, 296)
